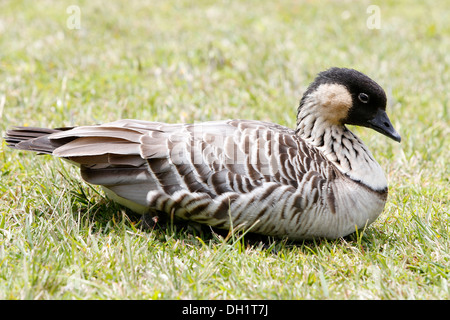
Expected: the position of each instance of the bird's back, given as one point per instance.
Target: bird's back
(221, 172)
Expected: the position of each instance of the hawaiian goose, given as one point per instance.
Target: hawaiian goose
(318, 180)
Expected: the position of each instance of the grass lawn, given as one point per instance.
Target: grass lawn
(187, 61)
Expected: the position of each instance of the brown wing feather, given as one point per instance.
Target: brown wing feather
(150, 163)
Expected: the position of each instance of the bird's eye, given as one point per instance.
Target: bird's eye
(364, 98)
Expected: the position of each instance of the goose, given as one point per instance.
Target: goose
(318, 180)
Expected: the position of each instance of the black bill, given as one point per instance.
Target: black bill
(382, 124)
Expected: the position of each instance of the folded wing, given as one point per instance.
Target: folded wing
(192, 168)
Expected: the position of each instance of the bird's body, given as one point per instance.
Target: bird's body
(316, 181)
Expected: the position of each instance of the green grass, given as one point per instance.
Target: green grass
(174, 61)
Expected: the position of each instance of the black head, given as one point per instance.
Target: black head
(368, 100)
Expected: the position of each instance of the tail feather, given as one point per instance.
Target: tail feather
(34, 139)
